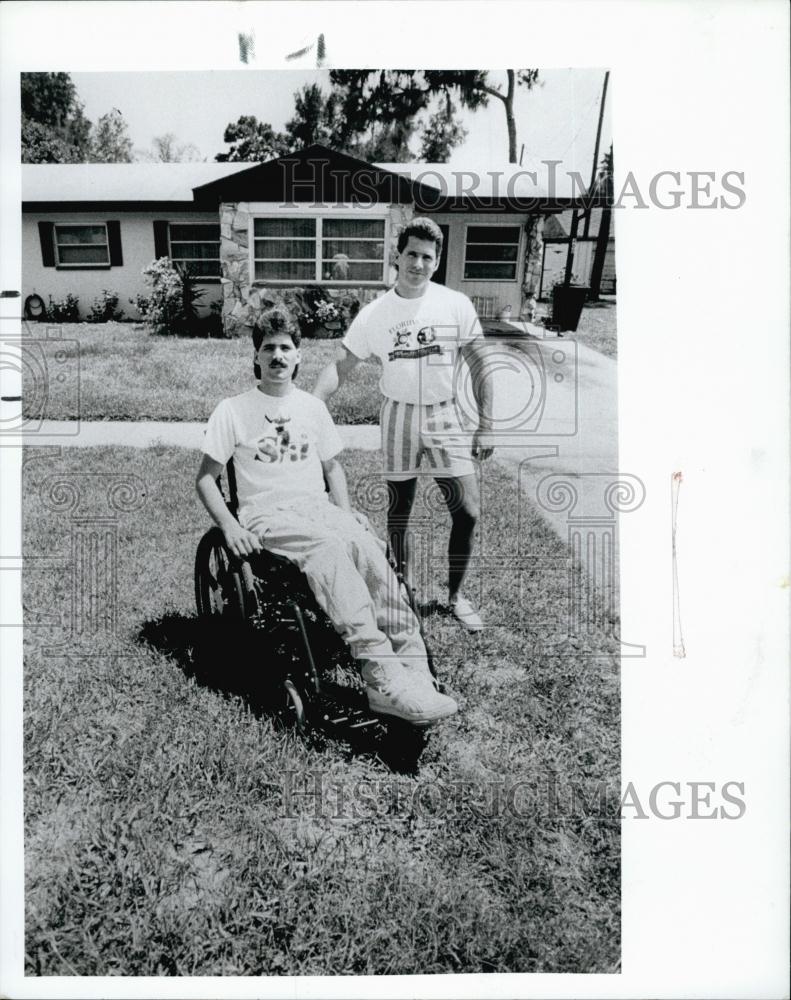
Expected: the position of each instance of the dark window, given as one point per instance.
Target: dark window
(491, 253)
(196, 245)
(81, 245)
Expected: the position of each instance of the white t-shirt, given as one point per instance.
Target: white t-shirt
(417, 341)
(277, 444)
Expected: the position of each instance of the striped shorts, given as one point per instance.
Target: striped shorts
(410, 431)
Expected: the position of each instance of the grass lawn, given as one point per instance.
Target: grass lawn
(127, 374)
(597, 328)
(161, 833)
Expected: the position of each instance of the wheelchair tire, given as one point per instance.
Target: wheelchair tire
(294, 709)
(218, 585)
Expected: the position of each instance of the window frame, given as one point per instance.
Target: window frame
(319, 215)
(200, 278)
(62, 265)
(494, 225)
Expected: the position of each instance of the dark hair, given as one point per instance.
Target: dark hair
(272, 323)
(422, 229)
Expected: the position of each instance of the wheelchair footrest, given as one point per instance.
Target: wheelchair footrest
(339, 705)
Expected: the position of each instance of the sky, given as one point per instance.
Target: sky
(556, 120)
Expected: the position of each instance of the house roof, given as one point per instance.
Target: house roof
(315, 174)
(119, 182)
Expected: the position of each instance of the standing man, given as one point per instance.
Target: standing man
(421, 331)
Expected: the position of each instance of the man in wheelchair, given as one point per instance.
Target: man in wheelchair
(285, 445)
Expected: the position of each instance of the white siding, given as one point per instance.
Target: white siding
(137, 245)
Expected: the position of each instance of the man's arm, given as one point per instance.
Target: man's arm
(336, 481)
(333, 375)
(238, 539)
(474, 353)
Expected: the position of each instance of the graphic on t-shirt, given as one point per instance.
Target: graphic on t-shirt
(402, 336)
(280, 447)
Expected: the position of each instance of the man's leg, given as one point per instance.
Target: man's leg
(324, 554)
(462, 496)
(402, 497)
(340, 591)
(394, 616)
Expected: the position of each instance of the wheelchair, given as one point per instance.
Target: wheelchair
(309, 671)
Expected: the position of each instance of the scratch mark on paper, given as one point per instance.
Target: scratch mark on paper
(246, 46)
(678, 638)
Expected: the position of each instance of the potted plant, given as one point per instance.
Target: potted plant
(328, 315)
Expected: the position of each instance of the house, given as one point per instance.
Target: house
(257, 234)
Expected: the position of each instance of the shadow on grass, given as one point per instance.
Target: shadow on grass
(235, 660)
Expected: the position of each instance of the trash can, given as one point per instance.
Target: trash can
(567, 303)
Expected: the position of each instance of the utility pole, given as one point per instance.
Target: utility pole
(594, 167)
(602, 241)
(575, 213)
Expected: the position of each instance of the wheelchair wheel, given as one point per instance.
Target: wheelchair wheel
(294, 709)
(218, 584)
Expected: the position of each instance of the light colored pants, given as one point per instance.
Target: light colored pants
(347, 568)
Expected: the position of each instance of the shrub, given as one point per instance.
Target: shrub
(105, 308)
(171, 306)
(65, 310)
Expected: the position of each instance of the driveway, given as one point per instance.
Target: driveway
(556, 411)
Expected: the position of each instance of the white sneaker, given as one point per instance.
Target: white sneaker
(413, 699)
(464, 612)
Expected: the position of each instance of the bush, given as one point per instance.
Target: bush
(105, 308)
(66, 310)
(171, 307)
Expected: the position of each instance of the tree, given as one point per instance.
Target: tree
(253, 141)
(441, 134)
(331, 119)
(54, 127)
(167, 149)
(110, 142)
(387, 95)
(40, 144)
(604, 189)
(316, 118)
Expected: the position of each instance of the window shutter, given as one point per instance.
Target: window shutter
(114, 241)
(46, 233)
(161, 248)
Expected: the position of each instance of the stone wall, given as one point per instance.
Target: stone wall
(243, 298)
(534, 259)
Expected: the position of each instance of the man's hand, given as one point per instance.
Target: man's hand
(360, 518)
(482, 444)
(240, 541)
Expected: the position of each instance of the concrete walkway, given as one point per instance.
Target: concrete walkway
(555, 413)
